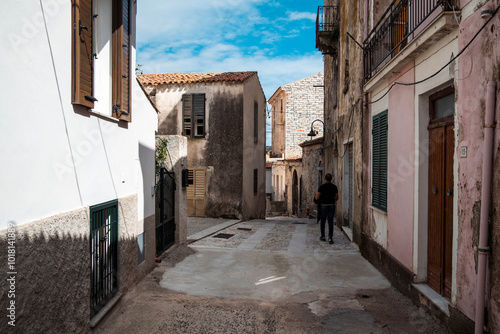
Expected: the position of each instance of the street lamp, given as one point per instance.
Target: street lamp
(312, 133)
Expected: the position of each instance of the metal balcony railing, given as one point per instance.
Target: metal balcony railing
(401, 22)
(327, 28)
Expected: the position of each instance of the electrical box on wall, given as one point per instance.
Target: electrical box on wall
(185, 180)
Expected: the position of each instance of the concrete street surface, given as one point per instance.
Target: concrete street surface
(265, 276)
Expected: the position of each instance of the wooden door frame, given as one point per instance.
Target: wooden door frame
(445, 285)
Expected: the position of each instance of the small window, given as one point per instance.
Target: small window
(255, 181)
(256, 122)
(442, 106)
(193, 112)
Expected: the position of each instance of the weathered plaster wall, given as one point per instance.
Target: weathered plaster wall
(53, 271)
(312, 162)
(220, 152)
(400, 169)
(224, 154)
(177, 149)
(350, 116)
(254, 153)
(485, 52)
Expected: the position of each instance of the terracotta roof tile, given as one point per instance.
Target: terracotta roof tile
(184, 78)
(294, 158)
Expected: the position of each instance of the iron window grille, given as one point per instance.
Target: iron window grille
(103, 254)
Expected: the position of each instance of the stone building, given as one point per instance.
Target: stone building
(294, 107)
(418, 103)
(313, 175)
(222, 115)
(344, 109)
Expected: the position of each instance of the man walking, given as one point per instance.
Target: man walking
(327, 195)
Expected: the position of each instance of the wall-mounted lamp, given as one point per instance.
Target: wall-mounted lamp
(312, 133)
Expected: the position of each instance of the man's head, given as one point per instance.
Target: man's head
(328, 177)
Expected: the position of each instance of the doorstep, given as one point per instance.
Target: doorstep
(105, 309)
(434, 297)
(347, 231)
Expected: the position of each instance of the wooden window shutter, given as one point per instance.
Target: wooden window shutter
(379, 164)
(199, 115)
(187, 117)
(82, 86)
(121, 72)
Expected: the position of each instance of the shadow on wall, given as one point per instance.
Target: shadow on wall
(46, 280)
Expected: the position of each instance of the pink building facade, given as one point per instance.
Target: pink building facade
(431, 82)
(436, 104)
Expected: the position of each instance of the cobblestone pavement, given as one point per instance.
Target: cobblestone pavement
(265, 276)
(276, 235)
(199, 224)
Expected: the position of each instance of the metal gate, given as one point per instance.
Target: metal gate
(103, 254)
(165, 211)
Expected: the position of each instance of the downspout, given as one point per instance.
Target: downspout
(483, 249)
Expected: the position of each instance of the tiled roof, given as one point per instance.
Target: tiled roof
(312, 142)
(294, 158)
(184, 78)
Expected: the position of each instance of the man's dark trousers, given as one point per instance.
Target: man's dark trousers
(327, 211)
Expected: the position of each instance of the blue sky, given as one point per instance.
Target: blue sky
(275, 38)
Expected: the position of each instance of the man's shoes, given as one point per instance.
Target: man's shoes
(322, 239)
(330, 241)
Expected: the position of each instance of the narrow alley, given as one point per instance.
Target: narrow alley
(265, 276)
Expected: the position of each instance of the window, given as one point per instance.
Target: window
(85, 26)
(379, 166)
(256, 122)
(193, 115)
(255, 181)
(103, 254)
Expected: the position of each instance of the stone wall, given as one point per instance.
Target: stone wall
(302, 104)
(312, 175)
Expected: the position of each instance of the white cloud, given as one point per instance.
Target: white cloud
(295, 16)
(222, 36)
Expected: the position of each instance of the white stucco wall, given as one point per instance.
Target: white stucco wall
(57, 157)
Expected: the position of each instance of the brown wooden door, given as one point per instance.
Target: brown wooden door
(440, 215)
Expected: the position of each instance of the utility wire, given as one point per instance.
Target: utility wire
(442, 68)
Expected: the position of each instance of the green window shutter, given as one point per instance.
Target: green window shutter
(379, 161)
(187, 117)
(199, 115)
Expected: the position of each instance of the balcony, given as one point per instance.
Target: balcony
(402, 23)
(327, 29)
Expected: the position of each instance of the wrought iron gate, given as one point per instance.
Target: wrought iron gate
(165, 211)
(103, 254)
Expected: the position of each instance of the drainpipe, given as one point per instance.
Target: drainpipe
(483, 249)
